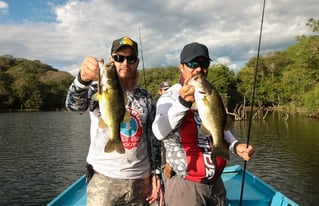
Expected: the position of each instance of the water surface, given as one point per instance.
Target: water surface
(42, 153)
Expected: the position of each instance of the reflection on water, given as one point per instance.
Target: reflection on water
(44, 152)
(40, 154)
(286, 155)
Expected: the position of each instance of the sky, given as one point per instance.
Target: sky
(61, 33)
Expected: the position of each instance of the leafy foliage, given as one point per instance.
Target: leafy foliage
(26, 84)
(154, 76)
(286, 77)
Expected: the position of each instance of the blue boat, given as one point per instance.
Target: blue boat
(256, 191)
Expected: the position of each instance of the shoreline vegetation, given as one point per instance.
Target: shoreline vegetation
(241, 113)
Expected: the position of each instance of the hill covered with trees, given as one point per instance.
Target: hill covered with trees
(31, 85)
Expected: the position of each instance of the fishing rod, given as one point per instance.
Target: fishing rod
(139, 33)
(252, 99)
(148, 122)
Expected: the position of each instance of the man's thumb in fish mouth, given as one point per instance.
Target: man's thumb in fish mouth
(186, 81)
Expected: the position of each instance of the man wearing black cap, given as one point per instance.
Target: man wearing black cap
(192, 176)
(119, 179)
(163, 87)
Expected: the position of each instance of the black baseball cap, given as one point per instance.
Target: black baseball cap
(164, 85)
(193, 50)
(124, 41)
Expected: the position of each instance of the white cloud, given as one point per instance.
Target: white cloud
(4, 7)
(230, 29)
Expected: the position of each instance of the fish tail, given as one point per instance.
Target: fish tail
(114, 146)
(220, 152)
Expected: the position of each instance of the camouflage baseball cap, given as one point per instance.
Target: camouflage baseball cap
(124, 41)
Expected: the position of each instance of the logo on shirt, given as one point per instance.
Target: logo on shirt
(132, 130)
(205, 142)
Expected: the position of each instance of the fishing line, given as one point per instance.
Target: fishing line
(141, 48)
(252, 100)
(148, 121)
(139, 33)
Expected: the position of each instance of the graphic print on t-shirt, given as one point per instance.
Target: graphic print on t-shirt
(132, 130)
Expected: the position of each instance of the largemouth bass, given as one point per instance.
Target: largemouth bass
(112, 106)
(212, 113)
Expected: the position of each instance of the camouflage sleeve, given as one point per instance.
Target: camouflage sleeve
(154, 144)
(77, 98)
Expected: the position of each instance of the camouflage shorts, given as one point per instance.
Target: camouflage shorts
(106, 191)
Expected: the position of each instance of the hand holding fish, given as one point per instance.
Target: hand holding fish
(244, 152)
(89, 69)
(187, 93)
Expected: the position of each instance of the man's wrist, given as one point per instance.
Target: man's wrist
(82, 81)
(156, 172)
(234, 147)
(184, 102)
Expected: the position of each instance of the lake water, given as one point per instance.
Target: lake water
(42, 153)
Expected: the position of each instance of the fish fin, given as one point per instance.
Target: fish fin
(206, 101)
(204, 130)
(107, 93)
(220, 151)
(229, 122)
(194, 106)
(114, 146)
(95, 97)
(125, 97)
(126, 117)
(102, 124)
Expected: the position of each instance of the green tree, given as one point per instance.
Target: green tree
(284, 77)
(31, 84)
(154, 76)
(225, 82)
(311, 98)
(6, 97)
(313, 24)
(245, 79)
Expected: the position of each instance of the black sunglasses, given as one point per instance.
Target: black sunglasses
(194, 64)
(120, 58)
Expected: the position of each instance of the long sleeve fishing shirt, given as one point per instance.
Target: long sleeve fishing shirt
(188, 151)
(142, 150)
